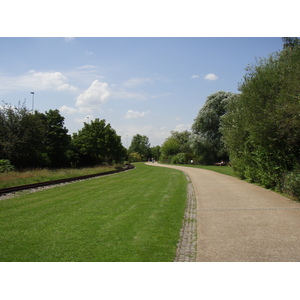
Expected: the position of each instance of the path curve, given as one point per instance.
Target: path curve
(239, 221)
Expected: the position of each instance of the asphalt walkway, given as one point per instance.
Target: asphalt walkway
(241, 222)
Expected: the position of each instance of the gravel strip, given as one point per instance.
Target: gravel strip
(187, 245)
(33, 190)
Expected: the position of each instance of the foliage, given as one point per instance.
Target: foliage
(5, 166)
(290, 42)
(291, 183)
(171, 146)
(21, 136)
(37, 140)
(98, 143)
(140, 144)
(135, 157)
(206, 140)
(261, 128)
(176, 148)
(183, 139)
(155, 152)
(181, 158)
(57, 139)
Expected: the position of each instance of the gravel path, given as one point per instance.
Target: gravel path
(187, 246)
(241, 222)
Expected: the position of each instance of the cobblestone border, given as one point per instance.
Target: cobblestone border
(187, 245)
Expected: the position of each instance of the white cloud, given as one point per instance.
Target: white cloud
(211, 76)
(133, 82)
(37, 81)
(135, 114)
(195, 76)
(49, 80)
(68, 110)
(86, 119)
(183, 127)
(93, 97)
(156, 135)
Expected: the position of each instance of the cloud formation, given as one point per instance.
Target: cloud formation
(93, 97)
(135, 114)
(183, 127)
(68, 110)
(211, 76)
(195, 76)
(34, 80)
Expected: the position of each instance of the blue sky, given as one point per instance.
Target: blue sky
(147, 86)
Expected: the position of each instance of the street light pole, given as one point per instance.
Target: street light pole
(32, 93)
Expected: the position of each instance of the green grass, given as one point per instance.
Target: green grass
(32, 176)
(130, 216)
(220, 169)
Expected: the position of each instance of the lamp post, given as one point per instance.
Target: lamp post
(32, 93)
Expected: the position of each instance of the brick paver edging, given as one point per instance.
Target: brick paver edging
(187, 245)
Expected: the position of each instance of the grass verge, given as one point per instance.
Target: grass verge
(130, 216)
(20, 178)
(220, 169)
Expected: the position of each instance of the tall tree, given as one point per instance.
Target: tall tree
(140, 144)
(57, 139)
(206, 140)
(98, 143)
(22, 136)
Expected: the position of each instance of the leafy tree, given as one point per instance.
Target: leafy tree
(22, 136)
(261, 128)
(140, 144)
(169, 148)
(206, 140)
(57, 139)
(290, 42)
(176, 148)
(183, 138)
(98, 143)
(155, 152)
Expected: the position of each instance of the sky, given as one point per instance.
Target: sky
(140, 85)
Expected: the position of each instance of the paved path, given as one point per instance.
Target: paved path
(239, 221)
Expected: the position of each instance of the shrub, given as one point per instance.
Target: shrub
(291, 183)
(5, 166)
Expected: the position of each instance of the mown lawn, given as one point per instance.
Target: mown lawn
(130, 216)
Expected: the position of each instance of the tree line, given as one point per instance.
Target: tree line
(40, 140)
(256, 130)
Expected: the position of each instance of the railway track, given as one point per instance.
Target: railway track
(14, 189)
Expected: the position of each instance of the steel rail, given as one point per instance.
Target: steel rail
(13, 189)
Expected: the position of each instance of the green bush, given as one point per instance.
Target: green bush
(291, 183)
(5, 166)
(182, 158)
